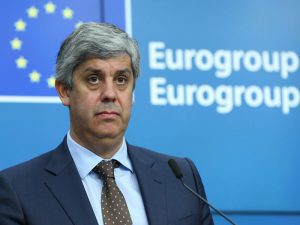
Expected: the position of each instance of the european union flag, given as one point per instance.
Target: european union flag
(30, 37)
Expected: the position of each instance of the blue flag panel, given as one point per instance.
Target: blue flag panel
(31, 34)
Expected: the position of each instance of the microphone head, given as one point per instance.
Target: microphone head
(175, 168)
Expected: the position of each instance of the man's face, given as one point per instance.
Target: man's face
(101, 98)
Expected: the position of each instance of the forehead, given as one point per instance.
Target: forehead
(122, 62)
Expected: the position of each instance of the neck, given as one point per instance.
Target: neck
(103, 147)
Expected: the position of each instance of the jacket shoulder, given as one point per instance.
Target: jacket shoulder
(185, 164)
(31, 167)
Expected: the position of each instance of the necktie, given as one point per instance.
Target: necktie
(113, 204)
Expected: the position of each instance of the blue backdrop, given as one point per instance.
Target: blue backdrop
(245, 145)
(219, 84)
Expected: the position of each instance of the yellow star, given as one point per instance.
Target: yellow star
(68, 13)
(20, 25)
(21, 62)
(51, 82)
(35, 76)
(32, 12)
(78, 24)
(50, 8)
(16, 44)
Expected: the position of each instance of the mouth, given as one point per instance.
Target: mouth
(108, 114)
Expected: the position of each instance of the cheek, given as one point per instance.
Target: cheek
(82, 105)
(127, 102)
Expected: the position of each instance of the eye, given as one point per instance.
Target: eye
(93, 79)
(121, 80)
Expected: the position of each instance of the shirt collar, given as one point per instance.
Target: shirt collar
(85, 160)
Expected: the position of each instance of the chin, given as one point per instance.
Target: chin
(108, 131)
(108, 134)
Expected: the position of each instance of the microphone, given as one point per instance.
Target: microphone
(178, 174)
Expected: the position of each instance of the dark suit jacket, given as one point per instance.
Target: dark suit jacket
(48, 191)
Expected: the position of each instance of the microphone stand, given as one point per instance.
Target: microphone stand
(204, 200)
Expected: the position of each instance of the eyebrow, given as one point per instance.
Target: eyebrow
(126, 70)
(91, 69)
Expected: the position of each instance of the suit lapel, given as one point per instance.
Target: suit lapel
(67, 188)
(151, 185)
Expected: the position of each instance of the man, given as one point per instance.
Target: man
(94, 176)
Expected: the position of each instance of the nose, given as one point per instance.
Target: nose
(108, 92)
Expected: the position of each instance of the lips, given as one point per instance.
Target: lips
(108, 114)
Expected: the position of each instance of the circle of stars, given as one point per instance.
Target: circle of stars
(20, 26)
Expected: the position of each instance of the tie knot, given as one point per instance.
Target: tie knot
(105, 169)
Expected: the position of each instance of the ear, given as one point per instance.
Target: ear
(63, 92)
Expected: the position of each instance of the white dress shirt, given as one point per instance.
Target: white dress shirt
(85, 161)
